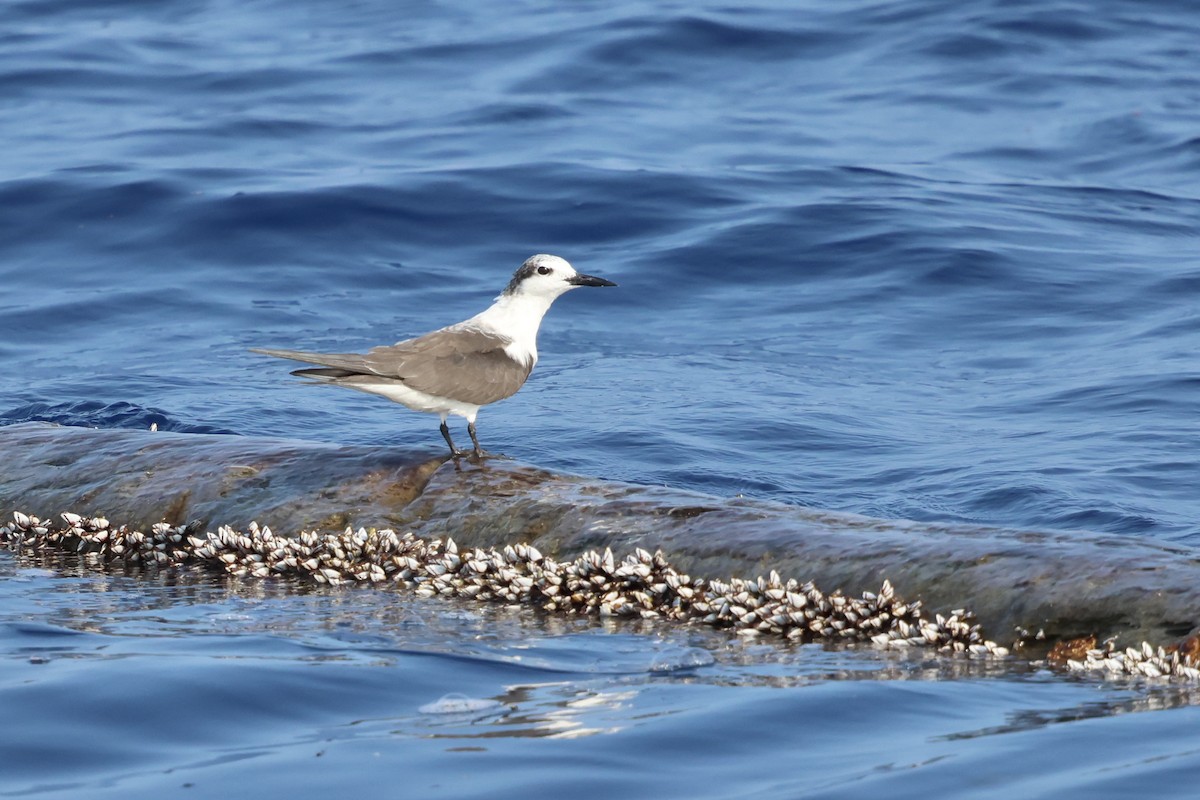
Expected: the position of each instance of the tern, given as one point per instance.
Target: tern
(462, 367)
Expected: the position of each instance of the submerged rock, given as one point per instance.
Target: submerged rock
(1066, 585)
(143, 477)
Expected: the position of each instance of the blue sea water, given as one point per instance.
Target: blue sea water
(909, 259)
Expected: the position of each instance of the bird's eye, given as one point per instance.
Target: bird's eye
(544, 270)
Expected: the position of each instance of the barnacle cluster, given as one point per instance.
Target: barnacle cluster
(642, 584)
(1084, 654)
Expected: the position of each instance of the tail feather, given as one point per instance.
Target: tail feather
(339, 365)
(324, 375)
(294, 355)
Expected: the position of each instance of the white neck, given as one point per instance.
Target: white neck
(517, 316)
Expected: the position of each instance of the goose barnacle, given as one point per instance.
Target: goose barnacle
(642, 584)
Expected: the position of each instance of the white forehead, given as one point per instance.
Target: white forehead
(546, 260)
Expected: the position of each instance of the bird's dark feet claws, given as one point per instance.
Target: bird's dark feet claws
(479, 451)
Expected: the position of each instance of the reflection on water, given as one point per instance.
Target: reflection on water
(254, 671)
(1130, 697)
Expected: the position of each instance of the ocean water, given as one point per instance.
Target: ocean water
(127, 686)
(908, 259)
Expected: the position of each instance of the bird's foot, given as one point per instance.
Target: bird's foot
(477, 454)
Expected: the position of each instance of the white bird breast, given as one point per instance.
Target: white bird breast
(418, 401)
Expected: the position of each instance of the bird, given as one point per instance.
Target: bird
(460, 368)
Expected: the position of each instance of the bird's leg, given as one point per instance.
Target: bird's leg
(479, 451)
(454, 451)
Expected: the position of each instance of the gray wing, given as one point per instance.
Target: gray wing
(465, 364)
